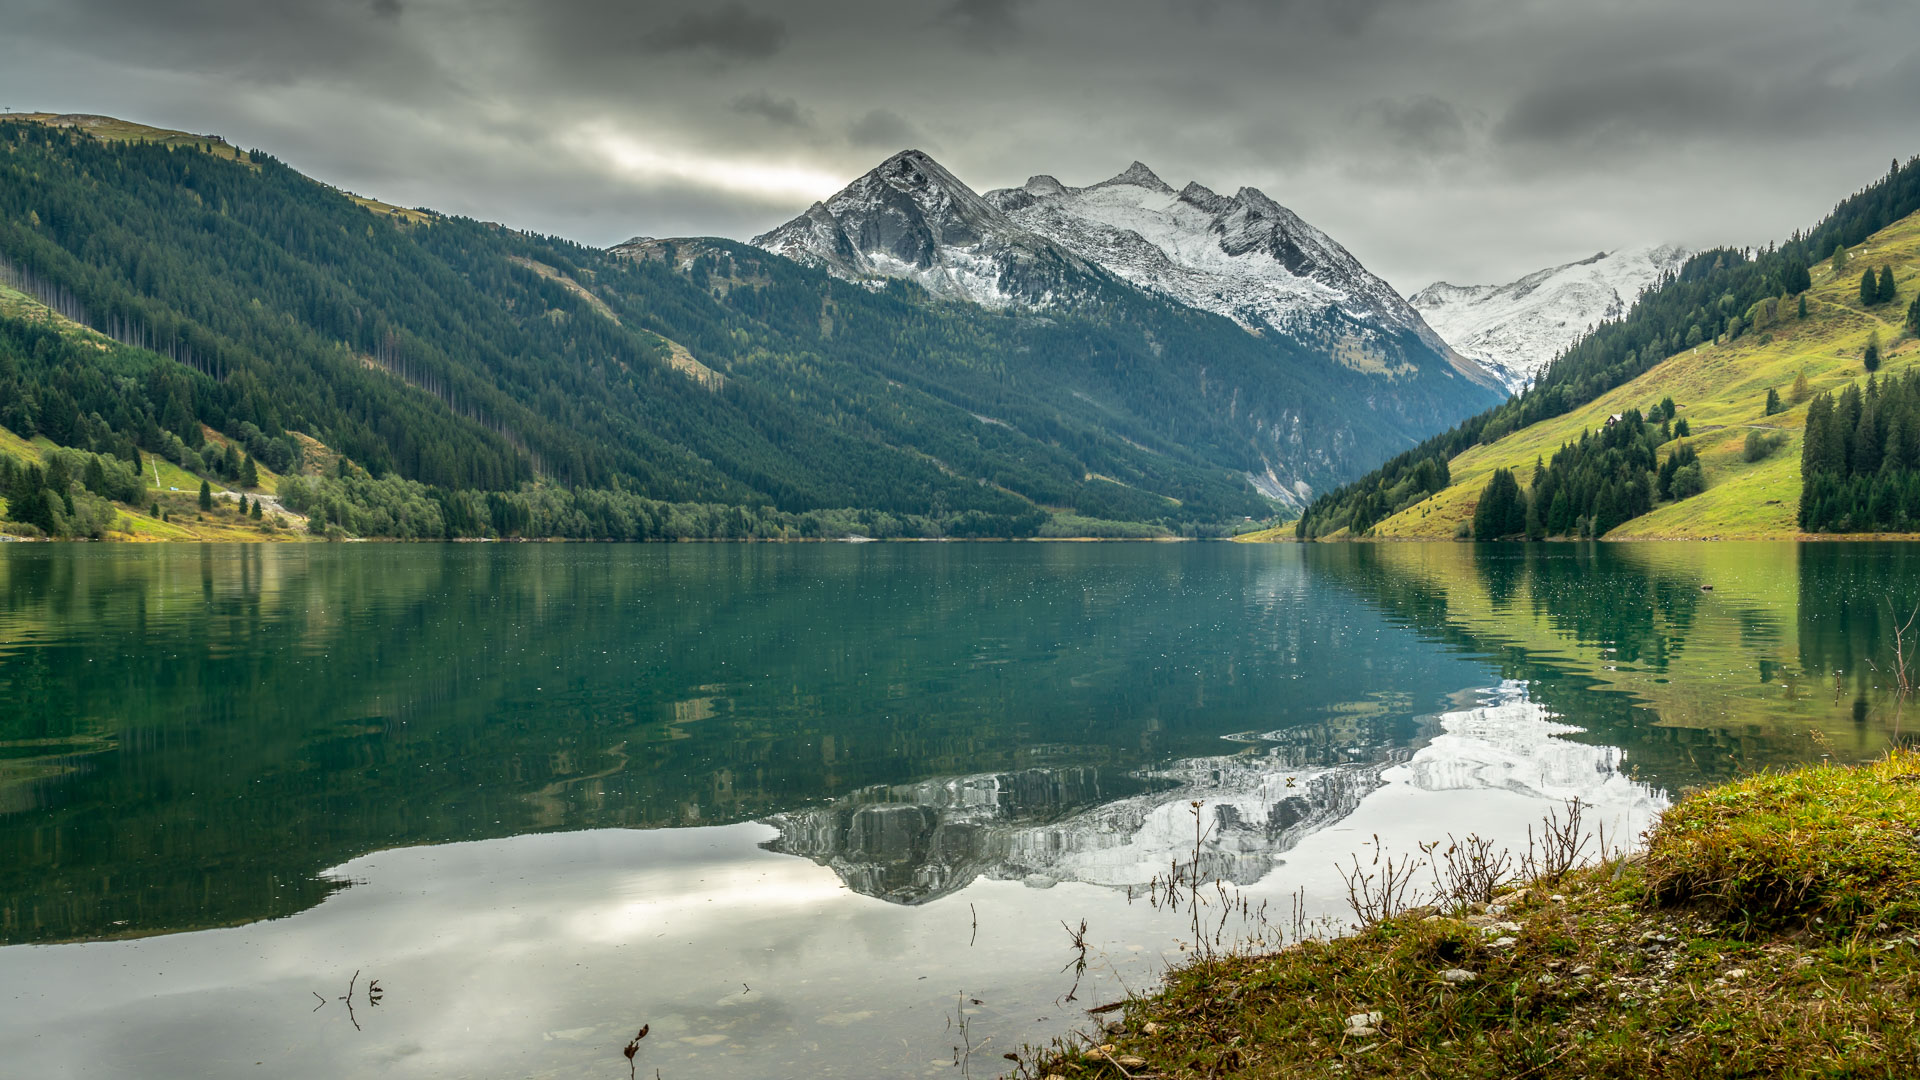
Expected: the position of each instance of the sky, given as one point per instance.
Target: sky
(1472, 141)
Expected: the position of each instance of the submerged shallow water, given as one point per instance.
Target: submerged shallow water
(811, 810)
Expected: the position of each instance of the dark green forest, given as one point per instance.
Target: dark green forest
(484, 381)
(1713, 295)
(1607, 478)
(1860, 463)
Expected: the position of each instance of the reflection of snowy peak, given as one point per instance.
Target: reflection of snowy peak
(1243, 256)
(915, 843)
(910, 218)
(1511, 744)
(1518, 328)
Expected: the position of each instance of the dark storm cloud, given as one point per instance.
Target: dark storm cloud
(781, 112)
(1346, 16)
(984, 24)
(1473, 140)
(882, 129)
(732, 32)
(1425, 125)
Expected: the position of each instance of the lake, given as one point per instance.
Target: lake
(814, 810)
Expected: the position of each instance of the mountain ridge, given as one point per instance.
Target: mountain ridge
(1244, 257)
(1516, 329)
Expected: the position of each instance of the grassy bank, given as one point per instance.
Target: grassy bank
(1771, 927)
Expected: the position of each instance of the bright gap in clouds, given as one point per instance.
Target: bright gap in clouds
(769, 180)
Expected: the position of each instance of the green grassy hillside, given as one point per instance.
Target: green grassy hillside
(1721, 391)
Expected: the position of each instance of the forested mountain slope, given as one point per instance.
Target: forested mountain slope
(483, 381)
(1714, 340)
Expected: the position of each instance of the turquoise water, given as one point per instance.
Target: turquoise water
(798, 807)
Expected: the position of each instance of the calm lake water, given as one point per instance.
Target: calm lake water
(810, 811)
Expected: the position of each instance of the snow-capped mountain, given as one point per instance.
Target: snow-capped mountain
(1306, 366)
(1518, 328)
(1245, 257)
(910, 218)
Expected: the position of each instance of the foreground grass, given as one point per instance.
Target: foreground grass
(1768, 930)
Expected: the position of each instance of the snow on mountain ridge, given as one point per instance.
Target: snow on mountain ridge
(1245, 257)
(1518, 328)
(911, 218)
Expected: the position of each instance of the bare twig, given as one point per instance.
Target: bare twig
(1561, 845)
(1380, 889)
(1467, 871)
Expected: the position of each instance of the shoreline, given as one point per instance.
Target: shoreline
(1770, 926)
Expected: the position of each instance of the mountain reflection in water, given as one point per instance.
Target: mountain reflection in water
(540, 955)
(913, 843)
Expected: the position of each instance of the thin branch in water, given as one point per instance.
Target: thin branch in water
(1078, 939)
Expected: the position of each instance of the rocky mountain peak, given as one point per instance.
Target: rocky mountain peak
(911, 218)
(1246, 257)
(1138, 175)
(1043, 186)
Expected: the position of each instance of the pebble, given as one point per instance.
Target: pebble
(1149, 1028)
(1505, 942)
(1458, 976)
(1116, 1027)
(1583, 969)
(1545, 980)
(1360, 1025)
(1129, 1061)
(1736, 973)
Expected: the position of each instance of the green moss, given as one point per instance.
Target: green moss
(1837, 845)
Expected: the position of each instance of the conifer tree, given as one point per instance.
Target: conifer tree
(249, 473)
(1871, 358)
(1773, 401)
(1913, 316)
(206, 496)
(1803, 305)
(1502, 510)
(256, 509)
(1839, 259)
(1889, 289)
(1869, 288)
(1801, 391)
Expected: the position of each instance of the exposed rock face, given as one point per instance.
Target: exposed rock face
(910, 218)
(1243, 256)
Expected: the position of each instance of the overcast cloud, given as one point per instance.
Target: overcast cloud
(1466, 140)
